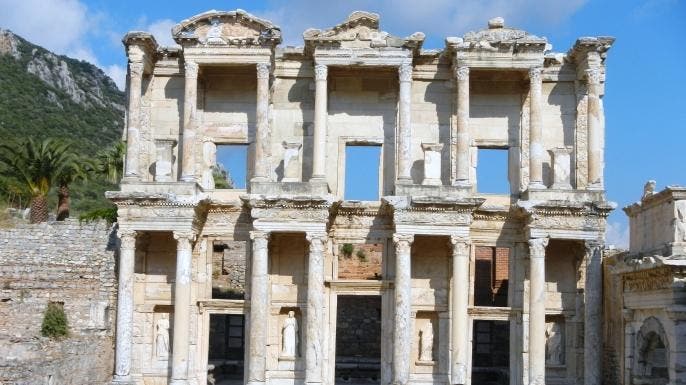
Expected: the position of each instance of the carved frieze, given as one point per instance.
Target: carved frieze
(647, 280)
(235, 28)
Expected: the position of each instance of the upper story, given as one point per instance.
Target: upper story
(284, 120)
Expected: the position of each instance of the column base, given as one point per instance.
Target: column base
(462, 183)
(256, 382)
(595, 187)
(190, 179)
(131, 179)
(122, 380)
(178, 382)
(536, 186)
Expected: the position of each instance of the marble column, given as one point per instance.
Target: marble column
(131, 169)
(190, 104)
(535, 130)
(320, 117)
(262, 124)
(123, 345)
(402, 335)
(404, 141)
(537, 310)
(595, 130)
(259, 307)
(315, 309)
(182, 307)
(459, 305)
(593, 304)
(463, 138)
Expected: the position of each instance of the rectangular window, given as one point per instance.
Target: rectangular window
(232, 166)
(492, 171)
(362, 172)
(491, 276)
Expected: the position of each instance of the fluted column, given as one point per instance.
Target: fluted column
(402, 336)
(537, 310)
(405, 124)
(463, 138)
(259, 307)
(182, 302)
(127, 253)
(315, 309)
(131, 171)
(320, 116)
(535, 130)
(593, 294)
(262, 134)
(595, 130)
(459, 315)
(190, 102)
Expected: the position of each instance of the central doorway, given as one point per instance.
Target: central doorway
(358, 339)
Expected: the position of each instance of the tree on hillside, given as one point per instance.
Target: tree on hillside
(73, 169)
(110, 162)
(37, 165)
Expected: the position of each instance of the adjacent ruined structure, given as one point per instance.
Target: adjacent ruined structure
(645, 297)
(288, 282)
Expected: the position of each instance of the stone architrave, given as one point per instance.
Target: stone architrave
(182, 304)
(432, 163)
(124, 341)
(320, 117)
(535, 130)
(405, 124)
(537, 310)
(190, 104)
(291, 161)
(561, 159)
(259, 308)
(402, 331)
(164, 160)
(131, 169)
(289, 336)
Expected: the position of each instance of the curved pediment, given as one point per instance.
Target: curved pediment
(234, 28)
(360, 30)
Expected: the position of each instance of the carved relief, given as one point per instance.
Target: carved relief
(162, 337)
(554, 346)
(426, 342)
(289, 336)
(646, 280)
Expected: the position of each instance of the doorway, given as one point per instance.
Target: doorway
(358, 339)
(491, 353)
(226, 349)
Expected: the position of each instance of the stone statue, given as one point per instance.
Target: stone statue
(214, 34)
(426, 343)
(648, 189)
(680, 223)
(162, 337)
(290, 335)
(554, 353)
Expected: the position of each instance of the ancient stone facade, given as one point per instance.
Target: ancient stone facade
(70, 264)
(645, 296)
(307, 249)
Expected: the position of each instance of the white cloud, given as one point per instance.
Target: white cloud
(161, 29)
(617, 234)
(437, 18)
(118, 74)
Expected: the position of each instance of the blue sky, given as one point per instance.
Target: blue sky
(646, 78)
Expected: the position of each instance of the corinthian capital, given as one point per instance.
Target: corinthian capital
(127, 239)
(535, 75)
(184, 239)
(462, 73)
(537, 247)
(593, 75)
(405, 73)
(260, 239)
(321, 71)
(460, 246)
(403, 242)
(593, 248)
(190, 69)
(263, 71)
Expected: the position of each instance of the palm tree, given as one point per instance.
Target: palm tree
(36, 165)
(73, 169)
(111, 162)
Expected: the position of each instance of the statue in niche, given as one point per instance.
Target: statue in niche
(214, 34)
(554, 349)
(680, 224)
(290, 335)
(426, 343)
(162, 337)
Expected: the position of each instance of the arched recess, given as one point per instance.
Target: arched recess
(651, 358)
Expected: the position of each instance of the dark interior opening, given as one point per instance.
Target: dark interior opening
(491, 276)
(491, 353)
(358, 340)
(226, 349)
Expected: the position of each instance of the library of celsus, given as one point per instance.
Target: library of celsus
(247, 258)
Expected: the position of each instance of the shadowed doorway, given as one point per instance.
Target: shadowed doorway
(358, 339)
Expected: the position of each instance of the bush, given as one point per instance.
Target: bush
(54, 321)
(361, 255)
(347, 249)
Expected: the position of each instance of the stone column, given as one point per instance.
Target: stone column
(315, 309)
(459, 315)
(402, 336)
(127, 255)
(131, 171)
(182, 307)
(190, 104)
(463, 137)
(262, 124)
(404, 141)
(593, 304)
(320, 118)
(259, 307)
(535, 130)
(595, 130)
(537, 310)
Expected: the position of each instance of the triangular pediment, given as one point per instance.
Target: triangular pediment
(235, 28)
(498, 37)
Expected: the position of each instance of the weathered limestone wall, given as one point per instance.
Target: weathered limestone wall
(60, 262)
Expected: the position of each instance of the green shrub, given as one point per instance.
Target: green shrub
(54, 321)
(347, 249)
(108, 213)
(361, 255)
